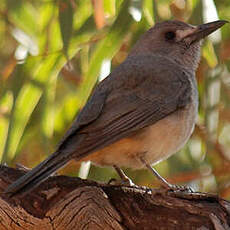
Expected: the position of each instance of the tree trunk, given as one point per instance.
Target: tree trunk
(71, 203)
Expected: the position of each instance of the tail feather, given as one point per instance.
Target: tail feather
(38, 174)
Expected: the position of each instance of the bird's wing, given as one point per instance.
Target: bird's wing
(138, 93)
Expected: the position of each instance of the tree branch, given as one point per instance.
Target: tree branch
(71, 203)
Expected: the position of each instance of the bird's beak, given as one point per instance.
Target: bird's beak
(199, 32)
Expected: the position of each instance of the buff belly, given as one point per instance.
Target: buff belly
(154, 143)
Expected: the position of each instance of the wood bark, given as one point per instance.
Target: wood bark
(71, 203)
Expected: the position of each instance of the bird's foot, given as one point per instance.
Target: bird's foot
(112, 181)
(124, 182)
(22, 167)
(128, 182)
(165, 184)
(178, 188)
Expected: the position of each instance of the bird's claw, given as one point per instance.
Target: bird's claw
(179, 188)
(123, 182)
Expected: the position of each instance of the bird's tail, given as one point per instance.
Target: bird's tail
(38, 174)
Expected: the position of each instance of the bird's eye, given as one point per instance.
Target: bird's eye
(170, 35)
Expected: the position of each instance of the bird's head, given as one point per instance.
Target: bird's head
(176, 40)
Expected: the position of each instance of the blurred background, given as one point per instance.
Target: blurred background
(53, 52)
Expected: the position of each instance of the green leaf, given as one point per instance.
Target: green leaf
(110, 7)
(48, 107)
(28, 98)
(209, 54)
(23, 14)
(65, 111)
(6, 104)
(148, 11)
(107, 48)
(83, 12)
(66, 13)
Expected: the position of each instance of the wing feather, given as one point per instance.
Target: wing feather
(127, 106)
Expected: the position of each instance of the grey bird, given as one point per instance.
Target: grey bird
(142, 113)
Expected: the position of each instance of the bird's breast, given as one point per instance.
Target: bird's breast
(169, 135)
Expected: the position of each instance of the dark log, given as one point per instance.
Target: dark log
(71, 203)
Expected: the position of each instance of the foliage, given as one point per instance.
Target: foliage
(52, 54)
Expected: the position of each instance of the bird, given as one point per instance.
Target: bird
(141, 113)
